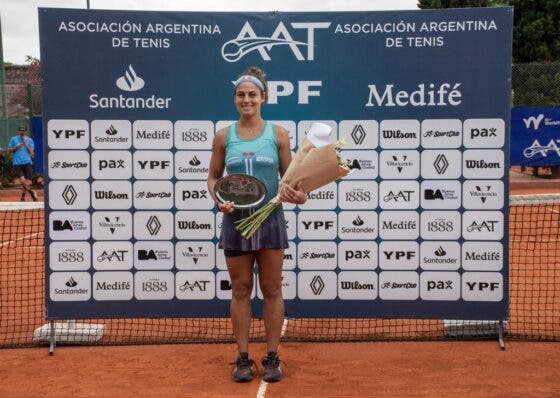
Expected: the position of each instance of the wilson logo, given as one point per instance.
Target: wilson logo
(192, 225)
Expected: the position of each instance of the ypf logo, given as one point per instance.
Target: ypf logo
(248, 41)
(130, 81)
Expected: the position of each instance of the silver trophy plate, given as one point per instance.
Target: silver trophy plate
(244, 190)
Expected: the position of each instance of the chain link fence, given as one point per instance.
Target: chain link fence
(536, 84)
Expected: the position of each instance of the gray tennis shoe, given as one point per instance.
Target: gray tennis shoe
(243, 369)
(271, 363)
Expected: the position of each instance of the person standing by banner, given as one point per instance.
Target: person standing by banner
(22, 148)
(256, 147)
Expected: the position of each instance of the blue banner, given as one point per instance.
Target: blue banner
(535, 136)
(132, 101)
(37, 129)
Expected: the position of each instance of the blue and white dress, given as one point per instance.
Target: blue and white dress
(257, 157)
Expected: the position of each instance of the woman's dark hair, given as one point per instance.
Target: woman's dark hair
(259, 74)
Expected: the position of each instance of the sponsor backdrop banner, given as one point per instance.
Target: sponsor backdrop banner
(535, 136)
(132, 101)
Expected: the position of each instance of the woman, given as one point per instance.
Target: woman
(257, 147)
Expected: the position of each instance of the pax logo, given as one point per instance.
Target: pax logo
(248, 41)
(130, 81)
(357, 255)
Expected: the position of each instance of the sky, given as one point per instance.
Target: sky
(20, 32)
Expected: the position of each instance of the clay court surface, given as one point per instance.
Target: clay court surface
(365, 369)
(380, 369)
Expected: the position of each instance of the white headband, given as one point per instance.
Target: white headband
(250, 79)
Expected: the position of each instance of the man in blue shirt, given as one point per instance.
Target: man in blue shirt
(22, 148)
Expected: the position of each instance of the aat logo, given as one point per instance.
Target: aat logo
(130, 81)
(248, 41)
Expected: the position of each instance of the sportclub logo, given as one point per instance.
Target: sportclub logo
(248, 41)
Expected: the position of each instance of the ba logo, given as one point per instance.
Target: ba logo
(248, 41)
(59, 225)
(355, 165)
(202, 194)
(430, 194)
(147, 255)
(154, 164)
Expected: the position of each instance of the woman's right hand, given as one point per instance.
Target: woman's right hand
(226, 207)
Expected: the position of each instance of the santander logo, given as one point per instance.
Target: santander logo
(130, 81)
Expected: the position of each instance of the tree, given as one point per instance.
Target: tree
(536, 31)
(425, 4)
(536, 46)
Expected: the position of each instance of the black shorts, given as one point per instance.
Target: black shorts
(24, 170)
(237, 253)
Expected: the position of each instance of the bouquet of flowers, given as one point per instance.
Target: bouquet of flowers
(316, 163)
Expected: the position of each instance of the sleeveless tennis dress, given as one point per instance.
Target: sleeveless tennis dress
(257, 157)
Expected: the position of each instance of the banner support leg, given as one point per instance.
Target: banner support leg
(501, 335)
(53, 339)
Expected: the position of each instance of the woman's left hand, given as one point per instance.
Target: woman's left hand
(291, 195)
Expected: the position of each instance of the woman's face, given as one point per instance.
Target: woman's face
(248, 99)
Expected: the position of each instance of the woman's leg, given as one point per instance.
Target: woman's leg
(270, 281)
(241, 273)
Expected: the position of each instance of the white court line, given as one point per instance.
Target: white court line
(262, 387)
(22, 238)
(552, 210)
